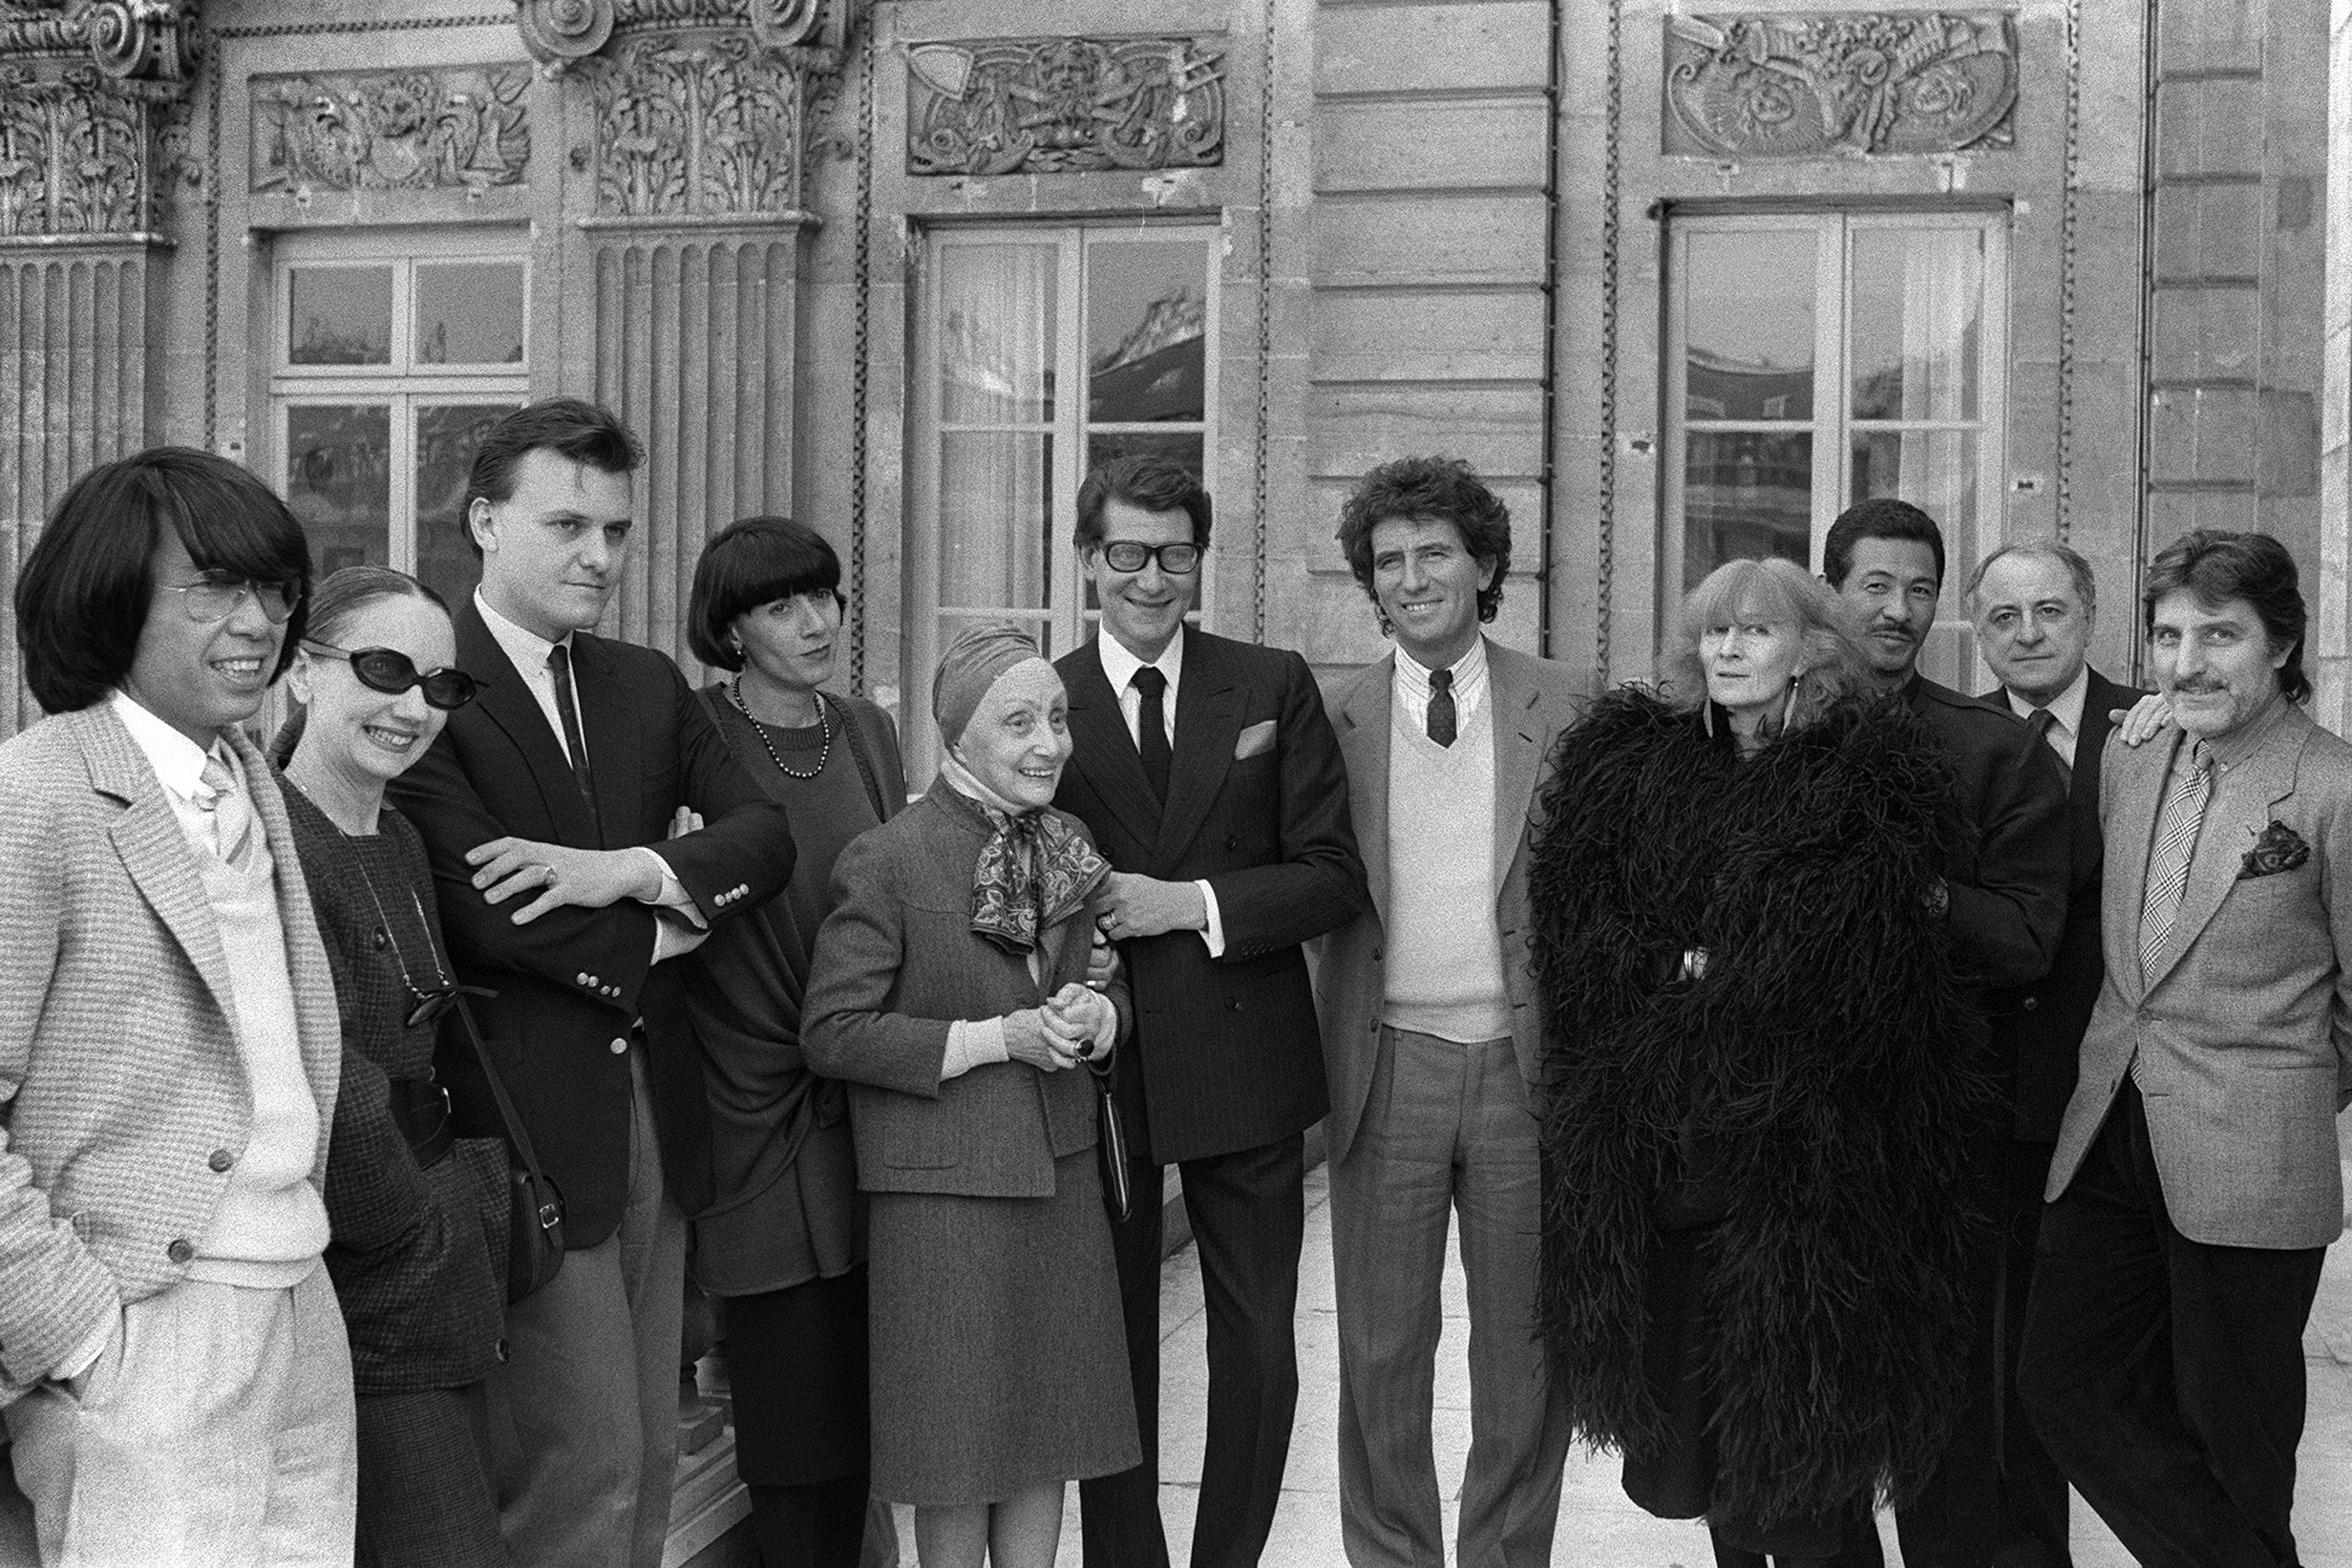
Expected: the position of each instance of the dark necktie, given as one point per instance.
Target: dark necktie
(559, 665)
(1152, 729)
(2043, 722)
(1441, 707)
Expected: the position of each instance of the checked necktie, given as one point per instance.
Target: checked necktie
(231, 813)
(2168, 865)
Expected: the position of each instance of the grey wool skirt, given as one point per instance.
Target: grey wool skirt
(999, 1358)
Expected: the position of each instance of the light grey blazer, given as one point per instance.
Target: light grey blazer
(896, 963)
(123, 1100)
(1534, 700)
(2245, 1033)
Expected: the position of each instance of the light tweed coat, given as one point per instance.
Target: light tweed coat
(120, 1085)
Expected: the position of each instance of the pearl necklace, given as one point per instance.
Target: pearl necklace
(823, 728)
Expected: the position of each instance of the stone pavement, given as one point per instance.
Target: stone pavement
(1599, 1528)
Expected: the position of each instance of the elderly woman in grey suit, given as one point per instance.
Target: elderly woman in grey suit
(948, 987)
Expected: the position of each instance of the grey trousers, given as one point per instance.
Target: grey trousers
(585, 1413)
(1447, 1132)
(216, 1429)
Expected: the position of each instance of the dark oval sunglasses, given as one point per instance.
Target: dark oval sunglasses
(392, 673)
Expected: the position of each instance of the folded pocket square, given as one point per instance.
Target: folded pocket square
(2279, 848)
(1253, 739)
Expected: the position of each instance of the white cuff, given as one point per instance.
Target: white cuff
(972, 1043)
(673, 894)
(86, 1354)
(1214, 933)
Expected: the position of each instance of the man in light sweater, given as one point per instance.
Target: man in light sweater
(1430, 1032)
(176, 1382)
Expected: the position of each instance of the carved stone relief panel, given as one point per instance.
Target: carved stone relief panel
(699, 124)
(73, 157)
(1064, 105)
(1817, 84)
(390, 130)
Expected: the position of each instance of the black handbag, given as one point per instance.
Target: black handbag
(534, 1228)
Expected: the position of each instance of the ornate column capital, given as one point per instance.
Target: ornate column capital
(145, 47)
(89, 90)
(806, 35)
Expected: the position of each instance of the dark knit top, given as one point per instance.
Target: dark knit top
(1803, 1098)
(788, 1208)
(416, 1255)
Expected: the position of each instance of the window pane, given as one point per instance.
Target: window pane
(996, 334)
(338, 481)
(1935, 470)
(446, 440)
(1748, 313)
(339, 315)
(1745, 494)
(469, 313)
(1146, 330)
(995, 511)
(1918, 307)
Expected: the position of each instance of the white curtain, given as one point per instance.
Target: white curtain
(996, 359)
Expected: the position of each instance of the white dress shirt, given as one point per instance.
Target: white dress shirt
(1119, 667)
(1410, 689)
(527, 651)
(2065, 712)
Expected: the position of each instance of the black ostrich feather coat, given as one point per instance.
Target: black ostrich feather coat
(1809, 1091)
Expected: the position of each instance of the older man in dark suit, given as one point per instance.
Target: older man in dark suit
(1207, 772)
(2035, 606)
(2007, 892)
(542, 806)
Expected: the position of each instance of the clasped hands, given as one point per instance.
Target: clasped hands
(1063, 1032)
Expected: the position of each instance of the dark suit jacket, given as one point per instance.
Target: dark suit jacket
(895, 964)
(1226, 1054)
(2009, 884)
(2047, 1017)
(572, 981)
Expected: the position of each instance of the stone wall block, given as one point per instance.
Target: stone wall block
(2210, 35)
(2206, 232)
(1483, 237)
(1442, 145)
(1423, 335)
(2206, 335)
(2208, 125)
(1389, 48)
(2289, 457)
(2202, 434)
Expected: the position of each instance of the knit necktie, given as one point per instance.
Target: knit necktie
(2168, 865)
(232, 815)
(1441, 707)
(1152, 728)
(559, 665)
(2042, 723)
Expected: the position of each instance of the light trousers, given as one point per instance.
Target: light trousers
(216, 1431)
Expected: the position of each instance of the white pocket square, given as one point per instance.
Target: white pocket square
(1253, 739)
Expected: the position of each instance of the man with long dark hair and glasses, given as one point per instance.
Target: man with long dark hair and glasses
(177, 1385)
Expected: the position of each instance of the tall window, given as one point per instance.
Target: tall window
(391, 357)
(1042, 352)
(1815, 360)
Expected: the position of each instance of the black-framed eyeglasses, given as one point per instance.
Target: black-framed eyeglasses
(216, 598)
(1176, 560)
(391, 672)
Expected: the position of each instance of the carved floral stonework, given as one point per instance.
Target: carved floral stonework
(86, 88)
(697, 124)
(1810, 85)
(1064, 105)
(560, 33)
(390, 130)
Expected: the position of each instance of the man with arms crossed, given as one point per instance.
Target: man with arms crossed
(2035, 606)
(541, 805)
(1206, 772)
(1431, 1033)
(177, 1382)
(2197, 1185)
(2006, 893)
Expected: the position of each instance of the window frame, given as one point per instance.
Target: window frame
(1950, 650)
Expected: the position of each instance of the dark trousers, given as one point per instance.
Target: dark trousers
(1996, 1497)
(2166, 1375)
(1248, 1214)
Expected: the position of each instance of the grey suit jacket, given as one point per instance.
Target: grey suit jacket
(121, 1081)
(1534, 701)
(2242, 1034)
(896, 963)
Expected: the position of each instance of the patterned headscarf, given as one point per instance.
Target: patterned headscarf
(1037, 867)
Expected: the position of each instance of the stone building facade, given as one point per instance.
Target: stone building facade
(1681, 280)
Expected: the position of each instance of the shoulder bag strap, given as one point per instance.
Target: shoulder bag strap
(516, 1132)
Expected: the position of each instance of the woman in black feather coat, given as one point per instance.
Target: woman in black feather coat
(1752, 1114)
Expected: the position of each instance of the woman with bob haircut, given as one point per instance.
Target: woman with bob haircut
(173, 1363)
(1752, 1120)
(783, 1248)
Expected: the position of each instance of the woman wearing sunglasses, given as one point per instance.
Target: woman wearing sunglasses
(783, 1247)
(418, 1217)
